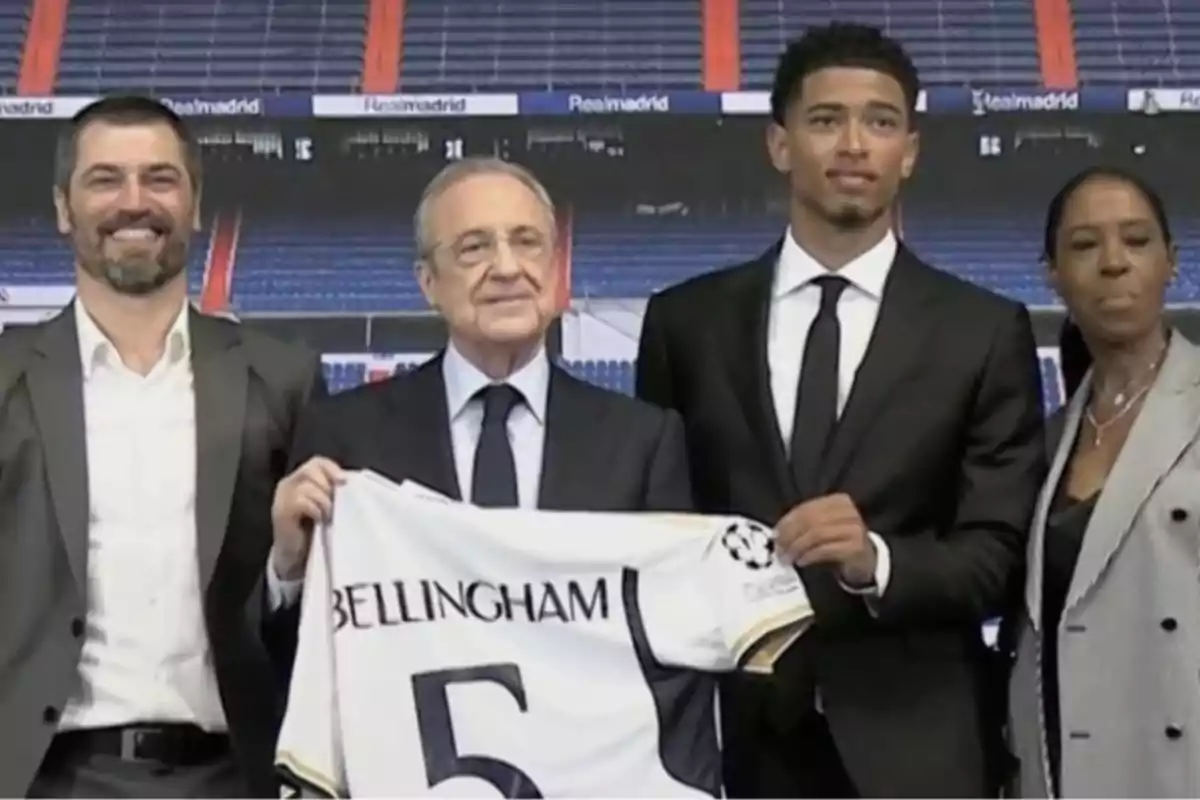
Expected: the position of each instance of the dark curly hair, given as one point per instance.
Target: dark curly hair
(841, 44)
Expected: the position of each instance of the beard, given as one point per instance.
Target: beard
(135, 276)
(136, 272)
(850, 217)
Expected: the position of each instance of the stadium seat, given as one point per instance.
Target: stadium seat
(631, 257)
(32, 253)
(614, 375)
(1052, 386)
(13, 19)
(264, 47)
(196, 46)
(952, 42)
(1001, 250)
(328, 264)
(1139, 44)
(608, 45)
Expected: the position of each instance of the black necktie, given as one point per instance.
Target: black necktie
(494, 479)
(817, 395)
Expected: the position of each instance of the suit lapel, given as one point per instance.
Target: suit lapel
(749, 370)
(221, 382)
(55, 380)
(568, 456)
(1166, 425)
(896, 345)
(428, 449)
(1066, 424)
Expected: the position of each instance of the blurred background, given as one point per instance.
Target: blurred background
(322, 121)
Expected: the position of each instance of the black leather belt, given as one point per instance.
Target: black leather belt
(176, 745)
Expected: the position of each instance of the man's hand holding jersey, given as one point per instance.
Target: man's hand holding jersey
(829, 530)
(302, 499)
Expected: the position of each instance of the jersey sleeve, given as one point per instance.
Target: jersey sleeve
(732, 606)
(308, 756)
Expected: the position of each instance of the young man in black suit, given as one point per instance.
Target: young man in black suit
(886, 416)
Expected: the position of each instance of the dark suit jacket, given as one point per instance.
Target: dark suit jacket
(249, 392)
(940, 446)
(603, 451)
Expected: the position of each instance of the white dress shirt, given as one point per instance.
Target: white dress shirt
(526, 423)
(795, 300)
(526, 435)
(146, 655)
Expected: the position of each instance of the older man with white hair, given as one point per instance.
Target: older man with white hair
(490, 419)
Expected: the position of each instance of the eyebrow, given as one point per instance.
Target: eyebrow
(1085, 227)
(521, 228)
(159, 167)
(873, 105)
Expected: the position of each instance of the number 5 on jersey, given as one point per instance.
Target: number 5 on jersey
(439, 744)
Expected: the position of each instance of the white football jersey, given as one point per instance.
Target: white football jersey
(451, 651)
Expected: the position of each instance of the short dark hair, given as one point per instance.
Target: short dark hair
(123, 109)
(841, 44)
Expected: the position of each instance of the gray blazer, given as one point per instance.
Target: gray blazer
(249, 393)
(1129, 639)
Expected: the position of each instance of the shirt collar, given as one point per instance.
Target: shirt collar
(464, 380)
(867, 273)
(95, 347)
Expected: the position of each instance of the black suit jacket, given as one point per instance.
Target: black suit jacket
(249, 391)
(940, 446)
(603, 451)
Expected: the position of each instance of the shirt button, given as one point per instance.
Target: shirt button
(1178, 514)
(50, 715)
(1174, 732)
(1169, 624)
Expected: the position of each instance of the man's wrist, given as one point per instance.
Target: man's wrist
(287, 566)
(862, 576)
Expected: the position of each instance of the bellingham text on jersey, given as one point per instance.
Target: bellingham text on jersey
(370, 605)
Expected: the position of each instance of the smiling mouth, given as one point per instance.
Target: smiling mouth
(139, 235)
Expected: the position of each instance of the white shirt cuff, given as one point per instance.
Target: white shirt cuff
(281, 593)
(883, 570)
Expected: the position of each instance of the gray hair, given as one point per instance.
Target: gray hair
(460, 170)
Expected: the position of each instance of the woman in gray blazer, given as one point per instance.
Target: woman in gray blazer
(1104, 697)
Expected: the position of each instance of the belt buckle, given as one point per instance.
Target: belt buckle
(131, 743)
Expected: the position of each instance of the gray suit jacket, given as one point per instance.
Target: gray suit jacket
(1129, 639)
(249, 393)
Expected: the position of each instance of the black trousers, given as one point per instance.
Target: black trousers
(802, 762)
(78, 773)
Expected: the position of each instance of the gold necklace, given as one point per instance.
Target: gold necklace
(1122, 402)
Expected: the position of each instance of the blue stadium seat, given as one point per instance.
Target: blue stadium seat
(196, 46)
(14, 18)
(614, 375)
(953, 42)
(331, 264)
(1001, 250)
(631, 257)
(364, 264)
(608, 45)
(1052, 386)
(32, 253)
(1119, 44)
